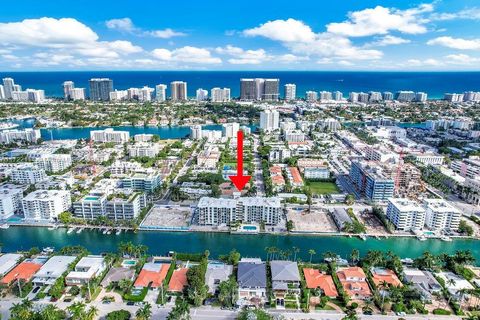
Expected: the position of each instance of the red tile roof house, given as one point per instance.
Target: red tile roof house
(381, 275)
(354, 282)
(152, 274)
(316, 279)
(178, 281)
(24, 271)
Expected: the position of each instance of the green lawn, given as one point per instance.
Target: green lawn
(319, 187)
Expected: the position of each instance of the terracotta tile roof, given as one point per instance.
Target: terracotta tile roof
(387, 275)
(296, 177)
(316, 279)
(178, 280)
(353, 281)
(153, 277)
(24, 271)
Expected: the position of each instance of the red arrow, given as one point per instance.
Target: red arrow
(240, 180)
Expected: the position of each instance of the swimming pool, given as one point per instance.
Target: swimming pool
(250, 228)
(91, 198)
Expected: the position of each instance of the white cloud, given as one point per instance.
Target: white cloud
(290, 58)
(388, 40)
(462, 59)
(290, 30)
(241, 56)
(165, 34)
(124, 24)
(466, 14)
(381, 20)
(456, 43)
(186, 54)
(66, 35)
(424, 63)
(46, 32)
(345, 63)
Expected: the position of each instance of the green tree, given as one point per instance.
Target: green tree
(145, 312)
(119, 315)
(181, 310)
(228, 292)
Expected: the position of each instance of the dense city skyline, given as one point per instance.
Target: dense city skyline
(438, 35)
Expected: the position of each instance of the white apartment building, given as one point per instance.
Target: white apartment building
(109, 135)
(46, 204)
(220, 95)
(440, 215)
(269, 120)
(429, 158)
(161, 92)
(405, 214)
(143, 137)
(217, 211)
(54, 162)
(85, 270)
(316, 172)
(468, 168)
(196, 132)
(143, 149)
(202, 95)
(229, 130)
(118, 95)
(26, 135)
(294, 136)
(381, 155)
(311, 96)
(290, 92)
(32, 95)
(11, 200)
(178, 91)
(27, 173)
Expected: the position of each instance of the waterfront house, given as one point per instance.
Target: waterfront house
(354, 282)
(216, 273)
(152, 274)
(423, 281)
(252, 280)
(319, 280)
(178, 281)
(382, 275)
(285, 280)
(115, 275)
(86, 269)
(455, 284)
(341, 218)
(53, 269)
(24, 271)
(8, 261)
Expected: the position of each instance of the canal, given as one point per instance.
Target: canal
(23, 238)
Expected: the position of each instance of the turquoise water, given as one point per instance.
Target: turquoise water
(249, 228)
(159, 243)
(91, 198)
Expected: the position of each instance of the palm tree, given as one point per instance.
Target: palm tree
(51, 312)
(295, 251)
(91, 313)
(451, 282)
(77, 311)
(145, 312)
(383, 287)
(311, 252)
(22, 310)
(355, 256)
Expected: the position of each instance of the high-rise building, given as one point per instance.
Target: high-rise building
(290, 92)
(8, 87)
(271, 90)
(77, 94)
(118, 95)
(421, 97)
(374, 96)
(453, 97)
(387, 96)
(311, 96)
(100, 89)
(405, 214)
(35, 96)
(269, 120)
(2, 93)
(109, 135)
(363, 97)
(259, 89)
(405, 96)
(196, 132)
(440, 215)
(471, 96)
(178, 90)
(202, 95)
(46, 204)
(220, 95)
(337, 96)
(371, 181)
(67, 88)
(160, 92)
(325, 96)
(353, 97)
(229, 130)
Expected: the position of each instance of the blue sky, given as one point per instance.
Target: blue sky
(240, 35)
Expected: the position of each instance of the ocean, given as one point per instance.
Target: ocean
(433, 83)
